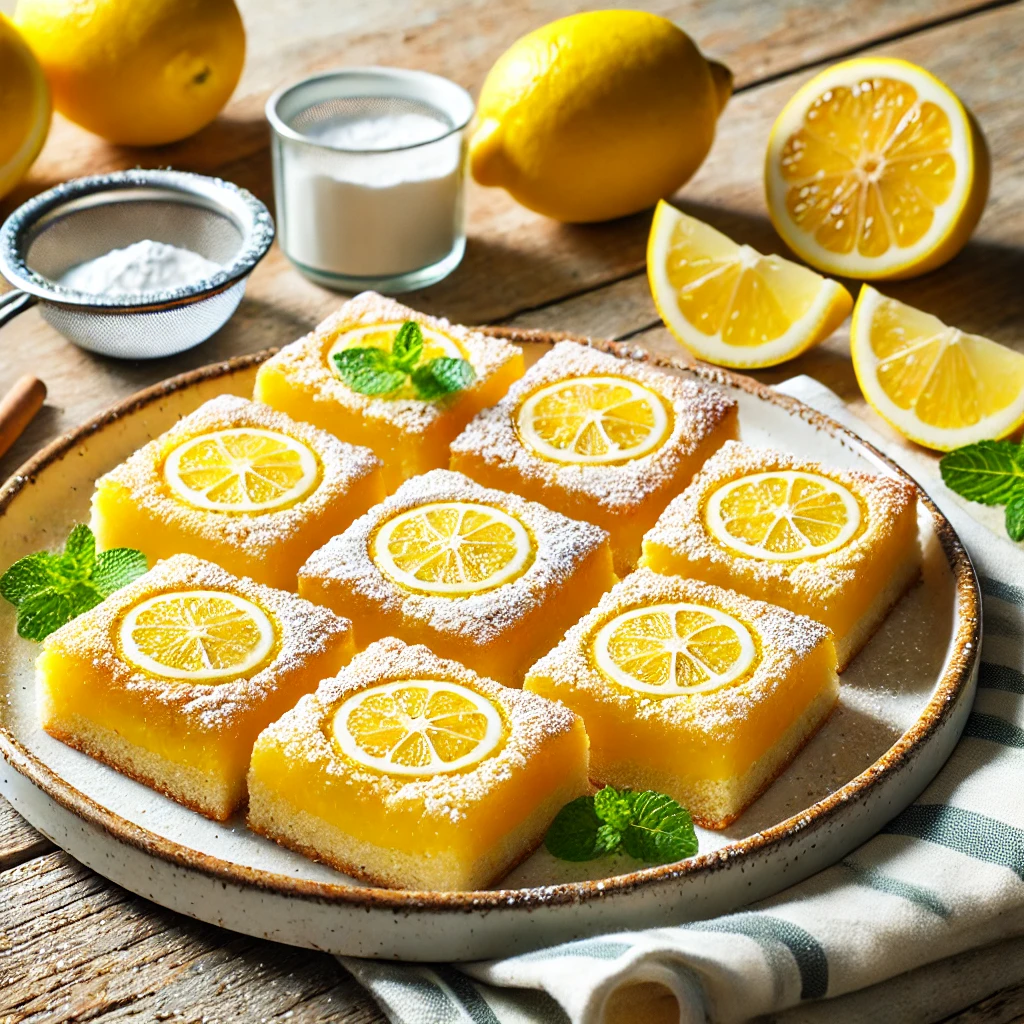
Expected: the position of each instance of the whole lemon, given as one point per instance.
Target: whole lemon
(137, 72)
(597, 115)
(24, 107)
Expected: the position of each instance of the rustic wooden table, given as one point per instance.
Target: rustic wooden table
(73, 946)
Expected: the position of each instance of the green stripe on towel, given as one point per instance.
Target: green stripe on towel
(927, 899)
(1003, 591)
(993, 729)
(1000, 677)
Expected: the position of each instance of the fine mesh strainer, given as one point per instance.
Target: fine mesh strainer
(87, 217)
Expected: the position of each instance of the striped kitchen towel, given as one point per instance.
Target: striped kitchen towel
(924, 919)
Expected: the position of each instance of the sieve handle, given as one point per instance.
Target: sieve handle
(14, 302)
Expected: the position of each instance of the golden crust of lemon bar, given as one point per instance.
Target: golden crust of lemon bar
(458, 830)
(191, 741)
(499, 632)
(714, 751)
(840, 588)
(626, 498)
(133, 506)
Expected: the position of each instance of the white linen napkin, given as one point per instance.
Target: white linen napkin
(922, 920)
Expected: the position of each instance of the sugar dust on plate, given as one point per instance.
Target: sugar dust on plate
(138, 269)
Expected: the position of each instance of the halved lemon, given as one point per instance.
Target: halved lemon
(876, 170)
(417, 727)
(937, 385)
(201, 636)
(730, 305)
(452, 548)
(243, 470)
(783, 515)
(598, 420)
(673, 649)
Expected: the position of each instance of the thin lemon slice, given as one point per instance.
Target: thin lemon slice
(783, 515)
(417, 727)
(452, 548)
(876, 170)
(197, 635)
(244, 470)
(730, 305)
(937, 385)
(673, 649)
(597, 420)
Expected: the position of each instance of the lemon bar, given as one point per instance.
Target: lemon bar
(171, 679)
(475, 574)
(410, 433)
(692, 690)
(412, 771)
(839, 546)
(239, 484)
(597, 438)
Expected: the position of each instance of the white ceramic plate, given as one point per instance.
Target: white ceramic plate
(902, 707)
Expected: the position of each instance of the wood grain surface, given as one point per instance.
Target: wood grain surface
(73, 947)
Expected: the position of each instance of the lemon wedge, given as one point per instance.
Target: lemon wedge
(674, 649)
(730, 305)
(875, 169)
(25, 99)
(452, 548)
(937, 385)
(417, 727)
(783, 515)
(199, 636)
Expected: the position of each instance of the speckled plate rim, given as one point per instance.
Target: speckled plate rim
(965, 649)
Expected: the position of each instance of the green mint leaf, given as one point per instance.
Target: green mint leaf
(29, 576)
(574, 834)
(407, 346)
(988, 472)
(369, 371)
(442, 376)
(614, 807)
(79, 554)
(1015, 516)
(117, 568)
(42, 613)
(608, 839)
(661, 830)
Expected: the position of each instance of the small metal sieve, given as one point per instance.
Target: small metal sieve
(87, 217)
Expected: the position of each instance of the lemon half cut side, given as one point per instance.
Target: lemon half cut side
(674, 649)
(418, 727)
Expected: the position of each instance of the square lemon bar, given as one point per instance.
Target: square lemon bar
(409, 432)
(414, 772)
(692, 690)
(597, 438)
(239, 484)
(839, 546)
(171, 679)
(478, 575)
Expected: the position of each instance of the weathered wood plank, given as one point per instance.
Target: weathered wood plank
(19, 841)
(1004, 1007)
(75, 947)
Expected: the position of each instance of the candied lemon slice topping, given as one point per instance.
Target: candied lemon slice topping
(452, 548)
(417, 727)
(783, 515)
(243, 470)
(673, 649)
(937, 385)
(593, 420)
(729, 304)
(197, 635)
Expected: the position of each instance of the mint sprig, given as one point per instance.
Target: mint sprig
(51, 589)
(372, 371)
(649, 826)
(992, 473)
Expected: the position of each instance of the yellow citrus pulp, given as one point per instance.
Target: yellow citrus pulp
(452, 548)
(243, 470)
(199, 636)
(730, 305)
(417, 727)
(937, 385)
(876, 170)
(783, 515)
(673, 649)
(25, 101)
(593, 421)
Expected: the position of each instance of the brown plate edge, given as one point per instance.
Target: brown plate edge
(956, 677)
